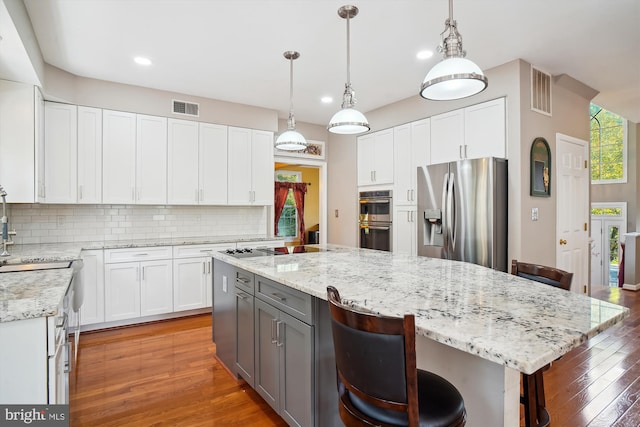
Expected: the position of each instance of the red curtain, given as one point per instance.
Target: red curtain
(282, 191)
(299, 190)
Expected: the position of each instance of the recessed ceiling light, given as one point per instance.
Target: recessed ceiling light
(424, 54)
(142, 61)
(326, 100)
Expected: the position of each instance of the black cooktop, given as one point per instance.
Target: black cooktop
(282, 250)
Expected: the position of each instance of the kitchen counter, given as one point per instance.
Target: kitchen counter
(475, 326)
(30, 294)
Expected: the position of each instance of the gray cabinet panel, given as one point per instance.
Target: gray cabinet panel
(296, 371)
(224, 312)
(245, 337)
(267, 361)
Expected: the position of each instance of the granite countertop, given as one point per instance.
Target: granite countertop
(506, 319)
(30, 294)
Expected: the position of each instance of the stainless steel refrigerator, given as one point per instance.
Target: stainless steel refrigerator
(462, 208)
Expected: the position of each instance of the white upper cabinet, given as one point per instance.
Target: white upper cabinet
(118, 157)
(60, 152)
(213, 164)
(17, 136)
(485, 129)
(183, 157)
(411, 144)
(197, 163)
(469, 133)
(250, 163)
(375, 158)
(447, 137)
(151, 160)
(89, 155)
(134, 158)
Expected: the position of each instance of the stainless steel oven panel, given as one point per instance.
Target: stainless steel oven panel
(375, 206)
(376, 236)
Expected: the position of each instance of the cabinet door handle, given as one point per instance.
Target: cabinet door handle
(143, 273)
(209, 266)
(408, 195)
(204, 267)
(242, 296)
(67, 362)
(460, 151)
(280, 336)
(139, 254)
(279, 296)
(274, 339)
(242, 280)
(465, 151)
(408, 216)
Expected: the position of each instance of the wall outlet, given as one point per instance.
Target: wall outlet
(224, 284)
(534, 214)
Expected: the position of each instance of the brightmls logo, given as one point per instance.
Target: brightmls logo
(38, 415)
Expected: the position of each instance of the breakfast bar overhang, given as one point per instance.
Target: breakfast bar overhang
(479, 328)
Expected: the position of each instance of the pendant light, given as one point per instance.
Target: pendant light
(454, 77)
(348, 120)
(291, 139)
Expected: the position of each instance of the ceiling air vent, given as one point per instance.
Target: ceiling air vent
(540, 91)
(186, 108)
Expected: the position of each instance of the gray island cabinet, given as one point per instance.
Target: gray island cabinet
(479, 328)
(268, 334)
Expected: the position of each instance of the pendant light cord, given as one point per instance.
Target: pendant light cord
(348, 52)
(290, 90)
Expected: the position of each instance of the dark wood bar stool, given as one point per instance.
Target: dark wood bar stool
(378, 382)
(533, 400)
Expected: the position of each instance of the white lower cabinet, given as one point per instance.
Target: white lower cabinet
(193, 275)
(405, 228)
(135, 288)
(92, 277)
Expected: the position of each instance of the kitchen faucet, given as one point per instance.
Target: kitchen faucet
(5, 225)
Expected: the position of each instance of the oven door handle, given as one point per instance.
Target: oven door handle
(375, 227)
(367, 201)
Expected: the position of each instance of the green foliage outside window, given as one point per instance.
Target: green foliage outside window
(607, 145)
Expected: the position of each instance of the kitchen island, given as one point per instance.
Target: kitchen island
(477, 327)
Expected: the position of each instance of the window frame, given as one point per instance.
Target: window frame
(625, 140)
(298, 179)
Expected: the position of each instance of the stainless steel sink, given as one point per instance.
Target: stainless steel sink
(10, 268)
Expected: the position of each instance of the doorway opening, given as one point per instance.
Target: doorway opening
(608, 225)
(314, 174)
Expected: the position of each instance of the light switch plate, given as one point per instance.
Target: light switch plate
(224, 284)
(534, 214)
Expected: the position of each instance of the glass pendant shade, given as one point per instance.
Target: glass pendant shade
(291, 140)
(453, 78)
(348, 121)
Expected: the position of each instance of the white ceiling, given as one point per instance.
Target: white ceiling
(232, 49)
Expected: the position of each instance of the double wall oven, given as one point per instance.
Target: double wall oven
(375, 219)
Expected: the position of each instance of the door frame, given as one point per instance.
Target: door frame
(322, 193)
(623, 226)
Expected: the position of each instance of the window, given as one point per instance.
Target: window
(608, 147)
(288, 223)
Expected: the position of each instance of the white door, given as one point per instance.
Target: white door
(262, 167)
(213, 164)
(239, 161)
(402, 170)
(118, 157)
(156, 287)
(182, 172)
(383, 157)
(405, 230)
(572, 209)
(608, 226)
(121, 291)
(60, 154)
(597, 265)
(189, 283)
(151, 160)
(365, 165)
(89, 155)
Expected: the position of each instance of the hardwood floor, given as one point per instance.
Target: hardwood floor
(164, 374)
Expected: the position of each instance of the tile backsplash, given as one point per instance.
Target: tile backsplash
(44, 223)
